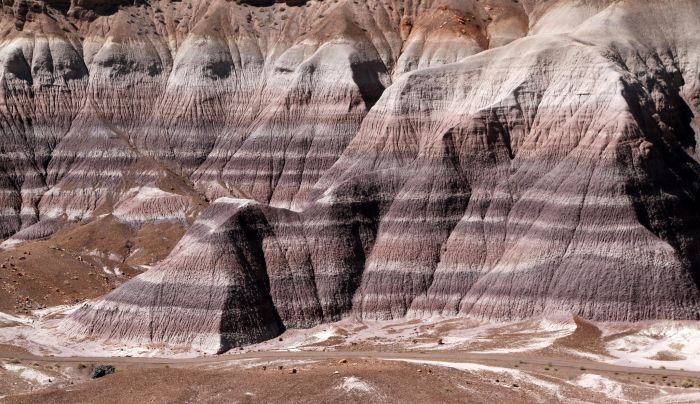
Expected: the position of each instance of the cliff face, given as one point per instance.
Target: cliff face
(384, 158)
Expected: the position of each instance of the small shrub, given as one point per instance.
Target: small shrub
(103, 370)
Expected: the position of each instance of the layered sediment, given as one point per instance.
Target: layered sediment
(383, 159)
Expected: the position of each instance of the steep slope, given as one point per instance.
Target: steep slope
(196, 99)
(383, 159)
(240, 100)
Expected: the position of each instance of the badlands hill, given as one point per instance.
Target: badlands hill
(500, 159)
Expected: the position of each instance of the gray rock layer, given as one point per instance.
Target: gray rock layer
(383, 159)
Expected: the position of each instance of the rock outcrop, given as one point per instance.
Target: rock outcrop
(380, 158)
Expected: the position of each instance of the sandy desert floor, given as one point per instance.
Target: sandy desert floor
(563, 359)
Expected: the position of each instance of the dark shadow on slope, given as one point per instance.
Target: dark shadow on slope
(664, 181)
(366, 76)
(249, 315)
(86, 8)
(341, 246)
(268, 3)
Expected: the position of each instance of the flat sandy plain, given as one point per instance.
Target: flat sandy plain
(561, 359)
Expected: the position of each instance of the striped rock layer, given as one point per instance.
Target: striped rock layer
(379, 158)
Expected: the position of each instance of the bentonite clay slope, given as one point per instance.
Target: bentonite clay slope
(143, 112)
(242, 101)
(385, 158)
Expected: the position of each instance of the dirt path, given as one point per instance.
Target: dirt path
(505, 360)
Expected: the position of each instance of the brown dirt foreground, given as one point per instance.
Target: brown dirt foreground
(345, 380)
(356, 381)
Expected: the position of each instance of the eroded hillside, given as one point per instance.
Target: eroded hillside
(498, 159)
